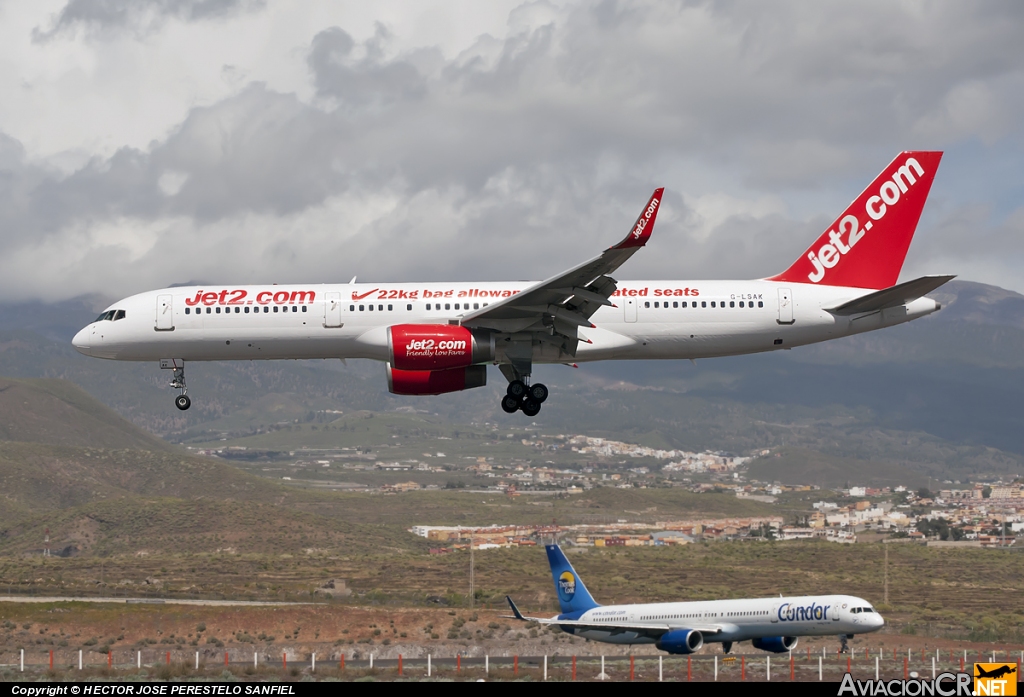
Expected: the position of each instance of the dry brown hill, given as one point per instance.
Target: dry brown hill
(57, 412)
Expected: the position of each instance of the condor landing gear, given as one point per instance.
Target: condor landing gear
(182, 401)
(521, 396)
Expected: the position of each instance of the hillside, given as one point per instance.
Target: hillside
(57, 412)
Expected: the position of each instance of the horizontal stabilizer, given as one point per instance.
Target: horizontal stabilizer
(895, 296)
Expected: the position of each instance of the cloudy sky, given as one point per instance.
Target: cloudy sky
(148, 142)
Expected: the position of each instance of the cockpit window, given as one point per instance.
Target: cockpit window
(110, 315)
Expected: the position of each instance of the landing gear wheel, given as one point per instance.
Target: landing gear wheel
(182, 402)
(517, 389)
(509, 404)
(538, 392)
(530, 407)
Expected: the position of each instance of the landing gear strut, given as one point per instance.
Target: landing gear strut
(843, 646)
(520, 395)
(182, 401)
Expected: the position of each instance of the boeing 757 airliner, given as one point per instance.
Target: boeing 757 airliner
(440, 337)
(770, 624)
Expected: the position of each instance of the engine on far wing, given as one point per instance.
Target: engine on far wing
(775, 644)
(681, 641)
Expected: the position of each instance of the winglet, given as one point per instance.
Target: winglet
(515, 610)
(644, 225)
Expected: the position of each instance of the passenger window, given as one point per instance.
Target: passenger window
(295, 308)
(209, 310)
(712, 303)
(275, 308)
(218, 310)
(362, 307)
(266, 309)
(647, 304)
(760, 303)
(447, 306)
(656, 304)
(428, 306)
(188, 310)
(247, 310)
(732, 303)
(456, 306)
(409, 308)
(703, 303)
(238, 310)
(676, 304)
(351, 308)
(476, 306)
(390, 308)
(485, 304)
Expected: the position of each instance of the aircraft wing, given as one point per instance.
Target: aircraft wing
(652, 630)
(895, 296)
(555, 309)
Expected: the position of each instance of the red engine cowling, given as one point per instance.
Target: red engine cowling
(437, 347)
(423, 382)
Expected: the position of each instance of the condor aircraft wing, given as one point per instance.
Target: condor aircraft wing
(563, 303)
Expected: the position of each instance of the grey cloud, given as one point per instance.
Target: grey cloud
(114, 15)
(525, 154)
(369, 81)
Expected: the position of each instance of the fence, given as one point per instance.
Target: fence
(798, 665)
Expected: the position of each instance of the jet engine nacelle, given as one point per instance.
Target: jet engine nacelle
(775, 644)
(437, 346)
(681, 641)
(422, 382)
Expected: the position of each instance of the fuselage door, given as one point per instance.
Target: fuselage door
(629, 304)
(835, 612)
(332, 310)
(164, 313)
(775, 613)
(785, 306)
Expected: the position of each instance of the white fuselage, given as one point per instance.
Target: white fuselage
(740, 620)
(650, 319)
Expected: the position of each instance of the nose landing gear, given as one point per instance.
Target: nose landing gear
(182, 401)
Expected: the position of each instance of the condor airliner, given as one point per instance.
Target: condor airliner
(439, 337)
(770, 624)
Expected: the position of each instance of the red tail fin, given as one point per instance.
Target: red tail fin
(866, 246)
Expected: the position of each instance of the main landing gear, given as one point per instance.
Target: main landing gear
(520, 396)
(182, 401)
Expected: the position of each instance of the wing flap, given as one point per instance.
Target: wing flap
(894, 296)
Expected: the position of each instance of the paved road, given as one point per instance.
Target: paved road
(140, 601)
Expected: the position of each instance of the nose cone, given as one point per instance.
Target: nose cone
(81, 341)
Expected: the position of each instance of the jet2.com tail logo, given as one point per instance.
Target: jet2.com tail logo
(566, 586)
